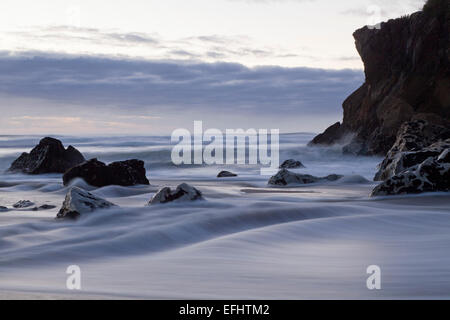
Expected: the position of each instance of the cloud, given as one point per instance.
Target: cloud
(385, 9)
(132, 90)
(207, 48)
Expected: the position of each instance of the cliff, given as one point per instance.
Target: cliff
(407, 77)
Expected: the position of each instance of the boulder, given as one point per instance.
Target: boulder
(291, 164)
(183, 192)
(406, 65)
(98, 174)
(226, 174)
(79, 202)
(430, 175)
(49, 156)
(285, 177)
(23, 204)
(405, 155)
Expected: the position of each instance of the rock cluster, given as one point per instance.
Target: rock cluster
(413, 145)
(431, 175)
(413, 165)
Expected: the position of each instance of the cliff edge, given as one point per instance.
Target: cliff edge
(407, 77)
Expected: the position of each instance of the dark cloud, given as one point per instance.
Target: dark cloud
(125, 86)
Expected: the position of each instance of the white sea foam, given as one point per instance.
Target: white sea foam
(246, 240)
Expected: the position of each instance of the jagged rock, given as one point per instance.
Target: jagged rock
(406, 66)
(291, 164)
(44, 207)
(49, 156)
(23, 204)
(183, 192)
(428, 176)
(79, 201)
(98, 174)
(226, 174)
(397, 161)
(285, 177)
(330, 136)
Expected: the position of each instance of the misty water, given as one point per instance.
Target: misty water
(245, 240)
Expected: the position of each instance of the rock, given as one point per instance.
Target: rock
(44, 207)
(3, 209)
(406, 78)
(397, 161)
(49, 156)
(226, 174)
(291, 164)
(183, 192)
(330, 136)
(79, 201)
(285, 177)
(23, 204)
(98, 174)
(428, 176)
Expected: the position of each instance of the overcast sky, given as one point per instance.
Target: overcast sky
(146, 66)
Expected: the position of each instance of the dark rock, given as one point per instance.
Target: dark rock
(407, 70)
(429, 176)
(183, 192)
(79, 201)
(291, 164)
(285, 177)
(330, 136)
(98, 174)
(3, 209)
(23, 204)
(44, 207)
(226, 174)
(407, 153)
(49, 156)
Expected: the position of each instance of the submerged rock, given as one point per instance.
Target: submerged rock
(44, 207)
(430, 175)
(79, 201)
(98, 174)
(226, 174)
(23, 204)
(291, 164)
(285, 177)
(49, 156)
(183, 192)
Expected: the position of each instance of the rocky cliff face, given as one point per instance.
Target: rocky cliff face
(407, 75)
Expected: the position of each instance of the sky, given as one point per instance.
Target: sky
(149, 67)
